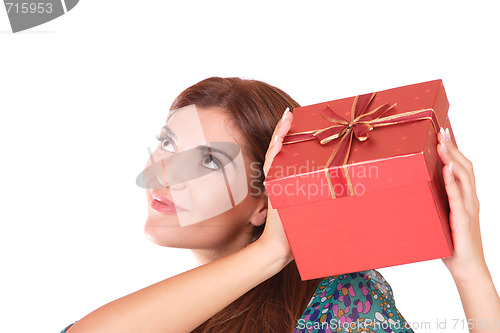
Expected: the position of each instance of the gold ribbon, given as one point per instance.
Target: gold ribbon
(362, 121)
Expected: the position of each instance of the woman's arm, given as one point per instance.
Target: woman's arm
(480, 301)
(467, 265)
(165, 307)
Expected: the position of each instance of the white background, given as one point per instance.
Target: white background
(83, 96)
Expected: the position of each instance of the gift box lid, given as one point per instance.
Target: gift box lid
(392, 155)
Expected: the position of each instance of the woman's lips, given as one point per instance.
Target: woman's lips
(162, 208)
(162, 204)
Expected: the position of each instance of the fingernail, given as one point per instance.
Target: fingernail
(285, 114)
(276, 138)
(442, 132)
(450, 167)
(444, 146)
(447, 136)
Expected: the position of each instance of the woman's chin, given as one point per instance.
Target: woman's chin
(167, 235)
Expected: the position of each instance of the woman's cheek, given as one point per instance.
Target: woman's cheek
(208, 197)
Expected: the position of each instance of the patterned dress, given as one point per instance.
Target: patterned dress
(355, 302)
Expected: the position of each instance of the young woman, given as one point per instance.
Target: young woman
(247, 280)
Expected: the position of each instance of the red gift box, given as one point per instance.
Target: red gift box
(358, 184)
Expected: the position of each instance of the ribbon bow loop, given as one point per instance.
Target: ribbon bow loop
(359, 123)
(361, 130)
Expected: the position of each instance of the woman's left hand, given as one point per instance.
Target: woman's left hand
(468, 257)
(274, 233)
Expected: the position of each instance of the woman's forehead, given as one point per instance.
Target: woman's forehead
(194, 123)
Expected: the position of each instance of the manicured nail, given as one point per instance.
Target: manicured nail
(442, 132)
(444, 146)
(450, 168)
(447, 136)
(276, 138)
(285, 114)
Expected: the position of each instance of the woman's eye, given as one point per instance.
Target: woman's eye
(210, 162)
(166, 143)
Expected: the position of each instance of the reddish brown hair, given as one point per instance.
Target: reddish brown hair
(255, 108)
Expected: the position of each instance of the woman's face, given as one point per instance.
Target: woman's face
(197, 184)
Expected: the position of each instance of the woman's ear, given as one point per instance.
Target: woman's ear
(259, 216)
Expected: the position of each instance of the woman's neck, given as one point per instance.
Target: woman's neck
(204, 256)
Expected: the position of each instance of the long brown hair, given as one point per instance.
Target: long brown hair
(255, 108)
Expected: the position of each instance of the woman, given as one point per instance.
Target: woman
(247, 280)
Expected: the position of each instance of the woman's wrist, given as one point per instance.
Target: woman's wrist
(279, 256)
(478, 273)
(479, 299)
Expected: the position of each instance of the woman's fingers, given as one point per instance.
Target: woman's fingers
(455, 198)
(455, 154)
(277, 139)
(274, 231)
(462, 170)
(460, 186)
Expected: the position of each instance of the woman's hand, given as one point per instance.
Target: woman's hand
(467, 265)
(274, 234)
(468, 258)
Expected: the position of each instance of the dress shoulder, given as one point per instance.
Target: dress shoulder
(67, 328)
(361, 301)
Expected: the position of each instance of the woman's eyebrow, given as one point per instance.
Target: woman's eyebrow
(170, 132)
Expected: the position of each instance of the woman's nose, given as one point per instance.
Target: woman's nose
(161, 178)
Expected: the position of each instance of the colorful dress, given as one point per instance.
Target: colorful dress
(355, 302)
(67, 328)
